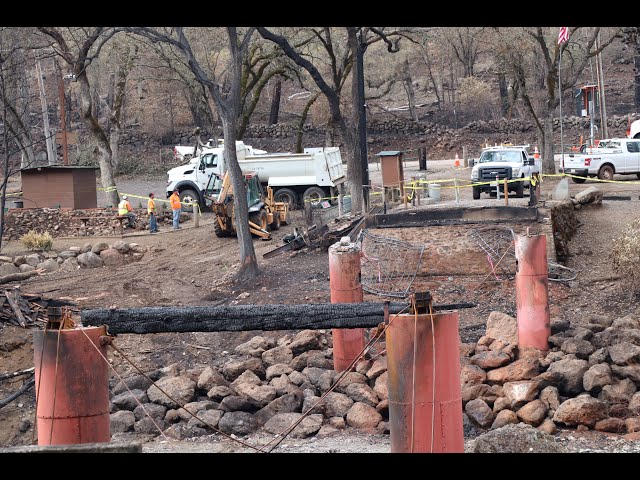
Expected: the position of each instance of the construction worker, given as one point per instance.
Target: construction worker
(151, 211)
(176, 207)
(124, 209)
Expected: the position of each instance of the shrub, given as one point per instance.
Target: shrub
(626, 255)
(37, 241)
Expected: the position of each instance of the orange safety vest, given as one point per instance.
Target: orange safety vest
(175, 202)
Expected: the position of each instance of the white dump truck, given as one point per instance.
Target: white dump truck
(313, 174)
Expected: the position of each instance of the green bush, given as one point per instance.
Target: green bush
(37, 241)
(626, 255)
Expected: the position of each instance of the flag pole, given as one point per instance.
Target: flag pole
(560, 97)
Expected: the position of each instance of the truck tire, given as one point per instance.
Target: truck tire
(260, 218)
(606, 172)
(219, 231)
(579, 179)
(519, 189)
(313, 194)
(188, 196)
(476, 192)
(287, 195)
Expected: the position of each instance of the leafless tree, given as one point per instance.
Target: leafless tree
(631, 37)
(225, 91)
(78, 47)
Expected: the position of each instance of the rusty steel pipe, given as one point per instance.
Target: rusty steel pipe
(444, 415)
(344, 282)
(72, 400)
(532, 292)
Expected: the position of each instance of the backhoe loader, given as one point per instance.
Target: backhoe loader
(265, 214)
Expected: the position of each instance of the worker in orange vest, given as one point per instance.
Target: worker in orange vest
(176, 207)
(151, 211)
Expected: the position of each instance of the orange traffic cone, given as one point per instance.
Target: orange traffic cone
(457, 162)
(536, 155)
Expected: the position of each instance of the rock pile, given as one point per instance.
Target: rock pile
(88, 256)
(267, 386)
(588, 379)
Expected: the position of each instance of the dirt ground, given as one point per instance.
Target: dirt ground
(194, 267)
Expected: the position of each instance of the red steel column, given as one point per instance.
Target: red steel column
(444, 414)
(75, 400)
(344, 281)
(532, 292)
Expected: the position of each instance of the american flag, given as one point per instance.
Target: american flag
(563, 35)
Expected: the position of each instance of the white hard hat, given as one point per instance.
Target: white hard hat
(124, 197)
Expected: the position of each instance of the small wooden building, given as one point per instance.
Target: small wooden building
(59, 186)
(392, 173)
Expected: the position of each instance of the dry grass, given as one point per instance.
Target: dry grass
(37, 241)
(626, 254)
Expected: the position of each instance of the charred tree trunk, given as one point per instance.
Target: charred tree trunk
(274, 112)
(303, 119)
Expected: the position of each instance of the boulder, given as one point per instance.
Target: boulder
(619, 392)
(549, 395)
(218, 392)
(307, 427)
(631, 372)
(520, 393)
(259, 395)
(472, 375)
(533, 413)
(87, 248)
(571, 372)
(306, 340)
(129, 400)
(285, 404)
(192, 408)
(378, 368)
(580, 348)
(361, 392)
(490, 359)
(153, 410)
(237, 423)
(501, 403)
(612, 425)
(234, 368)
(99, 247)
(209, 378)
(254, 347)
(277, 369)
(232, 403)
(479, 412)
(317, 358)
(380, 387)
(10, 268)
(67, 254)
(26, 268)
(632, 424)
(32, 259)
(147, 425)
(504, 417)
(522, 369)
(501, 326)
(599, 356)
(246, 377)
(520, 438)
(548, 427)
(624, 353)
(627, 322)
(471, 392)
(207, 419)
(181, 390)
(111, 257)
(121, 246)
(283, 385)
(337, 404)
(90, 260)
(282, 354)
(634, 404)
(597, 377)
(139, 382)
(49, 265)
(362, 415)
(297, 378)
(612, 335)
(122, 421)
(349, 379)
(70, 264)
(582, 410)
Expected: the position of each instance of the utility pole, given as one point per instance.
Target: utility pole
(362, 126)
(51, 153)
(600, 76)
(63, 122)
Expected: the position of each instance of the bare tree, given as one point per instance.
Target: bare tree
(78, 48)
(225, 91)
(465, 42)
(631, 37)
(543, 43)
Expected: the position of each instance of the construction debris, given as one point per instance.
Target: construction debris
(25, 309)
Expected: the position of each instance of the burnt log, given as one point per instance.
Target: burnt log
(239, 318)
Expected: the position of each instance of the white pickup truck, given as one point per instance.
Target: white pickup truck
(503, 161)
(611, 156)
(293, 176)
